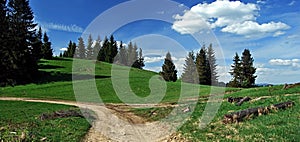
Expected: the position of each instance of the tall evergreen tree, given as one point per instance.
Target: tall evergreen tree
(213, 65)
(169, 72)
(122, 55)
(89, 49)
(131, 54)
(5, 51)
(81, 49)
(73, 50)
(37, 45)
(68, 53)
(203, 67)
(248, 70)
(97, 48)
(46, 49)
(112, 49)
(22, 35)
(190, 74)
(236, 72)
(103, 51)
(139, 63)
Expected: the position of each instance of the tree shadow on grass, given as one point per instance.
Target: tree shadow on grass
(62, 59)
(47, 77)
(42, 66)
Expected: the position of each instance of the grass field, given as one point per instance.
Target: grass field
(56, 84)
(281, 125)
(23, 117)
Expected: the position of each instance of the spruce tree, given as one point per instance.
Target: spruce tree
(89, 49)
(169, 72)
(37, 45)
(81, 49)
(248, 70)
(236, 71)
(73, 50)
(122, 55)
(47, 50)
(139, 63)
(5, 59)
(112, 49)
(213, 65)
(103, 51)
(190, 74)
(131, 54)
(22, 35)
(97, 48)
(203, 67)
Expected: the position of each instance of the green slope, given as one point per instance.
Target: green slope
(56, 82)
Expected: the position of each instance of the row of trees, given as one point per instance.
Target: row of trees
(21, 46)
(201, 68)
(107, 51)
(243, 71)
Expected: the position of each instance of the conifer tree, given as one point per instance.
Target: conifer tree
(248, 70)
(112, 49)
(81, 49)
(131, 54)
(122, 55)
(37, 45)
(213, 65)
(139, 63)
(236, 72)
(89, 49)
(47, 50)
(203, 67)
(68, 53)
(190, 74)
(169, 72)
(22, 35)
(5, 58)
(97, 48)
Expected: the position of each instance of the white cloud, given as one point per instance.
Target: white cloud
(153, 59)
(231, 16)
(251, 29)
(190, 23)
(61, 27)
(292, 3)
(63, 49)
(281, 62)
(261, 2)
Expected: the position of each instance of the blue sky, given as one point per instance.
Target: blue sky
(269, 28)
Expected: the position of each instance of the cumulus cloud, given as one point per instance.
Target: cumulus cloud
(281, 62)
(231, 16)
(250, 28)
(153, 59)
(63, 49)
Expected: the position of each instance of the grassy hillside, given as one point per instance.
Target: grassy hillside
(56, 82)
(23, 117)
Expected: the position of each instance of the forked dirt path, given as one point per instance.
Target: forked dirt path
(109, 126)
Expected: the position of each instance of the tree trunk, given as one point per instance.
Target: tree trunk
(240, 115)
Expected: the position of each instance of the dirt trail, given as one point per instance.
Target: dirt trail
(111, 125)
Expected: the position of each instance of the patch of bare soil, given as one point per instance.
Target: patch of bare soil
(116, 123)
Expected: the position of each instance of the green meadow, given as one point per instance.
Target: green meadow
(56, 84)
